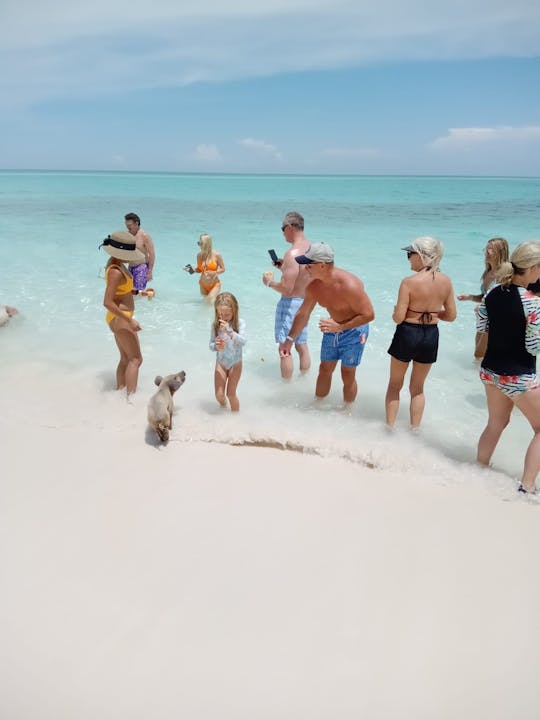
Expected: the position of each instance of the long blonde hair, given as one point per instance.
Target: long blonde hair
(205, 243)
(500, 254)
(525, 256)
(226, 299)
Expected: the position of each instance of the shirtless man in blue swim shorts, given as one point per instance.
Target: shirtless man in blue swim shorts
(291, 287)
(346, 330)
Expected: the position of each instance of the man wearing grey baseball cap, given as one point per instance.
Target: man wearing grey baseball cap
(346, 330)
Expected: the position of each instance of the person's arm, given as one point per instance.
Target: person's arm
(474, 298)
(114, 279)
(212, 343)
(289, 272)
(150, 254)
(220, 264)
(482, 322)
(362, 308)
(402, 304)
(449, 311)
(531, 308)
(238, 338)
(300, 321)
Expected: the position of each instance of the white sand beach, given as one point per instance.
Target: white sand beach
(201, 580)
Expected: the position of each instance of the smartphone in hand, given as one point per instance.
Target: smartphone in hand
(189, 269)
(275, 260)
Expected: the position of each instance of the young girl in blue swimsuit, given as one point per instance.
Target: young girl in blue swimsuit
(227, 338)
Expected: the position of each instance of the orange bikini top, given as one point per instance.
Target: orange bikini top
(210, 265)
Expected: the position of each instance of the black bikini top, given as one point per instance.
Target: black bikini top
(426, 316)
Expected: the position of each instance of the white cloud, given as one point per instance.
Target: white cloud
(466, 138)
(99, 48)
(207, 153)
(260, 147)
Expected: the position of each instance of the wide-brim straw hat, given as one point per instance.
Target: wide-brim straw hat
(121, 245)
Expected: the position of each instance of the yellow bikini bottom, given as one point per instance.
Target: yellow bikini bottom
(110, 316)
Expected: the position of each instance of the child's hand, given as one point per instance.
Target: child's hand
(224, 325)
(220, 343)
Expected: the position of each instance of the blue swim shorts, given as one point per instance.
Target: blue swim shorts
(347, 346)
(286, 311)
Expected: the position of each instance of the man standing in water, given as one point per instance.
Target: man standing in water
(291, 287)
(144, 272)
(346, 330)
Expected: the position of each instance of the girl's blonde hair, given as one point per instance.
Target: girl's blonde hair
(205, 243)
(500, 254)
(524, 257)
(430, 250)
(226, 299)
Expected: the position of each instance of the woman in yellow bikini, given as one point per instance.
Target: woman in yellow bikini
(119, 303)
(210, 266)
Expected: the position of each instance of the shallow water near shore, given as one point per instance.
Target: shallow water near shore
(58, 356)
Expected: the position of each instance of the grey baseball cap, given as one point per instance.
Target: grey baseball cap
(316, 253)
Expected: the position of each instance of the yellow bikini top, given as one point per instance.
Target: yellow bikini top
(126, 287)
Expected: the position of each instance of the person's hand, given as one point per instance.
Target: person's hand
(268, 277)
(133, 324)
(327, 325)
(149, 275)
(285, 348)
(463, 297)
(220, 343)
(224, 326)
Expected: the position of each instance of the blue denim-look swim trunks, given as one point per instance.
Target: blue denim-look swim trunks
(347, 346)
(286, 311)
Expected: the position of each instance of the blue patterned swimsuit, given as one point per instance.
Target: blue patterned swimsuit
(234, 342)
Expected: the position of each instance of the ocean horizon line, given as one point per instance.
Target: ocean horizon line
(184, 173)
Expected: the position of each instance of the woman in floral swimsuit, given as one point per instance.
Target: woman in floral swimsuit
(511, 313)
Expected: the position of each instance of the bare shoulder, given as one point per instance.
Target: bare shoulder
(444, 280)
(144, 235)
(349, 279)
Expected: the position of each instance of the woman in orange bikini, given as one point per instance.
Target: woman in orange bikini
(424, 298)
(119, 303)
(210, 266)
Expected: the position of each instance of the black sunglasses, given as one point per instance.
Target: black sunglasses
(411, 252)
(284, 226)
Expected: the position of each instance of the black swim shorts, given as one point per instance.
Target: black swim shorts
(413, 341)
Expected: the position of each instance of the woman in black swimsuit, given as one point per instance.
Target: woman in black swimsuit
(424, 298)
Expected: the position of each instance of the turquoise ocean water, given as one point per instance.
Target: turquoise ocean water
(51, 224)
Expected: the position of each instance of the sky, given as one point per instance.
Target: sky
(271, 86)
